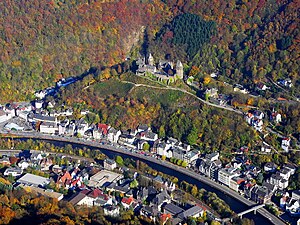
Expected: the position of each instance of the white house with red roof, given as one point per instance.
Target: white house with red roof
(127, 202)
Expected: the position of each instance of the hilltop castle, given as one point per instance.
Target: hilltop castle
(163, 70)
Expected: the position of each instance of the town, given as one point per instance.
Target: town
(258, 184)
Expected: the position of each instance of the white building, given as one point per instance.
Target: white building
(33, 180)
(4, 116)
(285, 144)
(13, 126)
(109, 164)
(13, 171)
(48, 128)
(113, 135)
(226, 174)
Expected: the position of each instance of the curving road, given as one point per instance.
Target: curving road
(275, 220)
(186, 92)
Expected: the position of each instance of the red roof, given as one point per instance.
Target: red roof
(165, 217)
(95, 193)
(103, 128)
(127, 201)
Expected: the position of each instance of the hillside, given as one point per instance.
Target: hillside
(43, 41)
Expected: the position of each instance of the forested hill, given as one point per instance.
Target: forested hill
(44, 40)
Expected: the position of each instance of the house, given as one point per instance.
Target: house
(79, 199)
(266, 147)
(160, 199)
(64, 179)
(4, 116)
(111, 210)
(240, 88)
(261, 87)
(296, 194)
(100, 131)
(82, 127)
(191, 156)
(127, 202)
(5, 161)
(13, 171)
(211, 93)
(226, 174)
(33, 180)
(285, 144)
(272, 188)
(276, 117)
(285, 173)
(293, 207)
(23, 114)
(113, 135)
(103, 200)
(290, 167)
(195, 212)
(149, 212)
(70, 129)
(285, 82)
(235, 183)
(210, 168)
(45, 163)
(161, 148)
(143, 128)
(49, 128)
(62, 126)
(38, 104)
(23, 164)
(258, 114)
(172, 209)
(86, 197)
(270, 167)
(212, 156)
(126, 139)
(261, 194)
(13, 126)
(41, 118)
(277, 180)
(109, 164)
(149, 136)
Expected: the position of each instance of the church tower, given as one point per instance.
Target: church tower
(179, 70)
(150, 60)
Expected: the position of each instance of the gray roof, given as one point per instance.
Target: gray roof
(77, 198)
(143, 127)
(173, 209)
(31, 179)
(40, 117)
(190, 212)
(161, 197)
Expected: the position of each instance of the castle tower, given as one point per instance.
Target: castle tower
(179, 69)
(150, 60)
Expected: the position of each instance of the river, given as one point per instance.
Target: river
(234, 204)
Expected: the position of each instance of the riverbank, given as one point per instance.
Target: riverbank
(176, 170)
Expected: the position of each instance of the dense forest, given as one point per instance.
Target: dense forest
(43, 41)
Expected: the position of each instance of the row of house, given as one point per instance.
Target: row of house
(240, 173)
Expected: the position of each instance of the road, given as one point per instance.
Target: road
(194, 175)
(186, 92)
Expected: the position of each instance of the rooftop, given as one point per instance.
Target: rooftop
(104, 178)
(33, 180)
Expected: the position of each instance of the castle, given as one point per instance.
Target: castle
(163, 71)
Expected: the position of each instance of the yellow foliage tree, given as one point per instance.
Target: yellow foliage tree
(206, 80)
